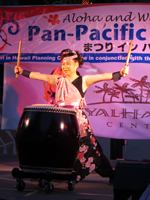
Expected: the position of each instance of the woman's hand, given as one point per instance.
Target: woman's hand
(18, 70)
(124, 71)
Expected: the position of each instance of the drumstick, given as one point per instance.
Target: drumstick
(19, 54)
(128, 56)
(129, 52)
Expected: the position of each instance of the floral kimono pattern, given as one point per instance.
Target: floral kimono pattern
(88, 158)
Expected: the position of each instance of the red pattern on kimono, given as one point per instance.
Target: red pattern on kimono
(88, 157)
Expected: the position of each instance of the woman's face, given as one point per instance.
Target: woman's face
(69, 67)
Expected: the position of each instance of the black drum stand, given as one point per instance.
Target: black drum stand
(44, 179)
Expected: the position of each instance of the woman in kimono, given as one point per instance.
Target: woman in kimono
(70, 92)
(49, 89)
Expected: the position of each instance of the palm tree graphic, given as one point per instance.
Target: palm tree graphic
(142, 84)
(125, 92)
(133, 96)
(123, 89)
(147, 91)
(113, 93)
(105, 89)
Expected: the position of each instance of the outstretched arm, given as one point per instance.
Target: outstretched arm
(36, 75)
(91, 79)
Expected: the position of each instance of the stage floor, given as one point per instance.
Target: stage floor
(93, 187)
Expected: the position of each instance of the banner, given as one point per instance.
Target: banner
(102, 34)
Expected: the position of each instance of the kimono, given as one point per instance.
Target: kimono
(88, 158)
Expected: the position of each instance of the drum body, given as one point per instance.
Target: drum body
(47, 138)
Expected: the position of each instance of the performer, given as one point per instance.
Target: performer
(50, 90)
(70, 92)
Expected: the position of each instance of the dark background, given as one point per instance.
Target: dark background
(41, 2)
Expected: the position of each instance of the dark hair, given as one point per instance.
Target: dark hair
(69, 53)
(64, 51)
(79, 59)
